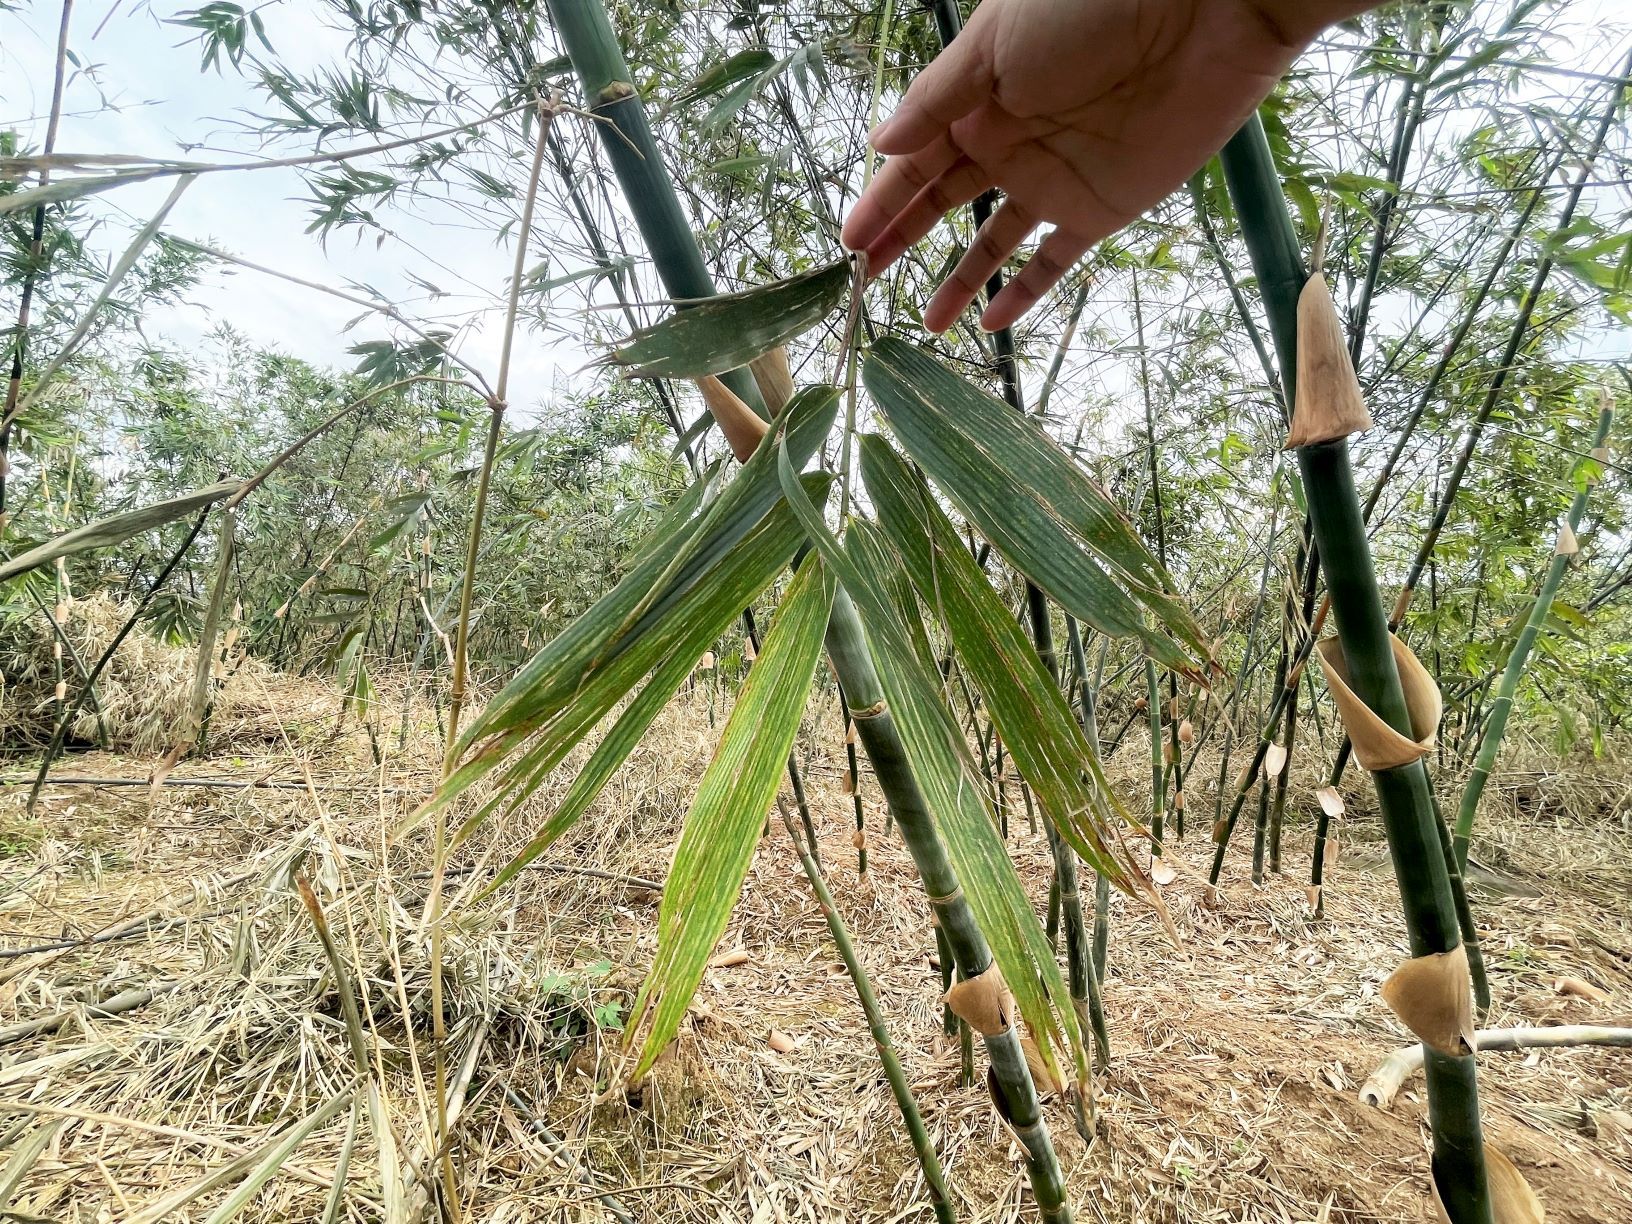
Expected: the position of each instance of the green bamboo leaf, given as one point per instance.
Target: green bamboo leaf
(726, 73)
(61, 191)
(566, 712)
(806, 422)
(116, 528)
(1036, 506)
(669, 566)
(945, 769)
(1049, 748)
(721, 333)
(694, 625)
(723, 825)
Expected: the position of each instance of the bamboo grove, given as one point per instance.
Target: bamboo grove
(1315, 464)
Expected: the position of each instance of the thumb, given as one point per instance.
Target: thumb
(958, 80)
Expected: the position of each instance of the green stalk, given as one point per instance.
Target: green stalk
(1093, 958)
(1158, 771)
(626, 137)
(948, 21)
(1403, 793)
(593, 47)
(939, 1200)
(1496, 726)
(1016, 1094)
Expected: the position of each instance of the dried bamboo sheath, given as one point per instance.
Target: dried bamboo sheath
(1372, 673)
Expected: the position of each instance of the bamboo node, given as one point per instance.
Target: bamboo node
(1567, 545)
(1329, 404)
(946, 900)
(1432, 997)
(983, 1002)
(878, 709)
(1378, 746)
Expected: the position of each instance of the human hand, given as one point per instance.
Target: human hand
(1084, 112)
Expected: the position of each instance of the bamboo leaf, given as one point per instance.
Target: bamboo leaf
(666, 571)
(277, 1155)
(116, 275)
(700, 621)
(60, 191)
(806, 422)
(116, 528)
(723, 825)
(945, 769)
(721, 333)
(1026, 495)
(23, 1156)
(1049, 748)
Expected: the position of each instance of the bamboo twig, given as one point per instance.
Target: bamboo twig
(939, 1200)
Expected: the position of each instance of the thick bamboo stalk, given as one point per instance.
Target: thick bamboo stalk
(1362, 627)
(1496, 726)
(593, 47)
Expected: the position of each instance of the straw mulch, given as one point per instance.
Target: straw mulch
(144, 690)
(233, 1092)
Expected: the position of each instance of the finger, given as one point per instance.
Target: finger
(894, 187)
(960, 184)
(1042, 272)
(997, 239)
(956, 82)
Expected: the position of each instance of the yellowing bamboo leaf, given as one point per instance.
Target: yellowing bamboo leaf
(953, 789)
(116, 528)
(1035, 505)
(721, 333)
(723, 825)
(1036, 725)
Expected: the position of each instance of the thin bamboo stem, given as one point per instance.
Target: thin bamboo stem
(940, 1200)
(1513, 673)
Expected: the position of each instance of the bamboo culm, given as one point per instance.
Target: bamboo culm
(592, 45)
(939, 1200)
(1403, 792)
(1496, 725)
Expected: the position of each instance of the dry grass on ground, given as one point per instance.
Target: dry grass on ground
(1231, 1095)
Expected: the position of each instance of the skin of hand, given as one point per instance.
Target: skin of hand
(1085, 113)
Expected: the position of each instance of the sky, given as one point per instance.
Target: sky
(141, 91)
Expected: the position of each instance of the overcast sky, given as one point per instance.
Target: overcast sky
(162, 103)
(140, 91)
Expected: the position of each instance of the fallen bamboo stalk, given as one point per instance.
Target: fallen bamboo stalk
(113, 1005)
(1386, 1082)
(558, 1151)
(222, 784)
